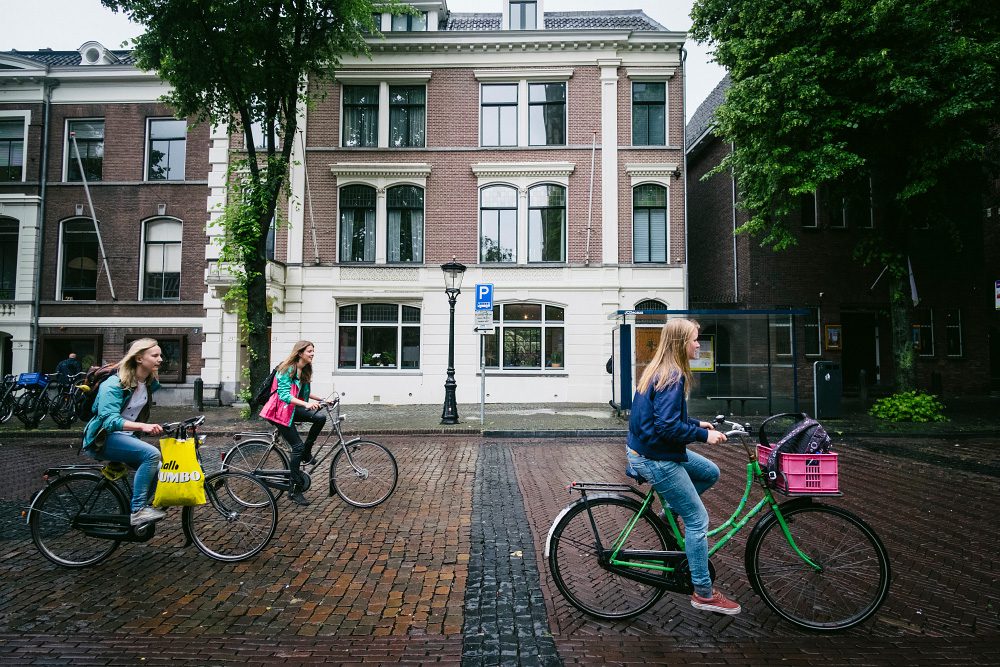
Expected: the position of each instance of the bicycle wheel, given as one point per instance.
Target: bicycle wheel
(850, 586)
(6, 407)
(238, 520)
(576, 567)
(370, 480)
(62, 410)
(251, 456)
(55, 509)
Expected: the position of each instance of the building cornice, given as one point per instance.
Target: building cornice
(546, 74)
(515, 169)
(376, 76)
(650, 73)
(652, 169)
(384, 169)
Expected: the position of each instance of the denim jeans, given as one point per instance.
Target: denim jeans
(291, 435)
(141, 456)
(680, 486)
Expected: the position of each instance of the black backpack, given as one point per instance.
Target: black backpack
(95, 376)
(806, 436)
(263, 392)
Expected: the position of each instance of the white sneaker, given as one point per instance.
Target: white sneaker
(145, 515)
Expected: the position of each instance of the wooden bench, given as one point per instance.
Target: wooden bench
(742, 399)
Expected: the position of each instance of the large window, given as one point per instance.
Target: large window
(167, 149)
(174, 365)
(162, 260)
(498, 224)
(357, 223)
(547, 114)
(8, 257)
(547, 223)
(12, 149)
(89, 145)
(523, 15)
(378, 335)
(79, 260)
(405, 224)
(407, 110)
(649, 223)
(923, 331)
(532, 335)
(649, 114)
(499, 114)
(409, 22)
(360, 116)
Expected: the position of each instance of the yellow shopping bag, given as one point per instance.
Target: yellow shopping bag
(180, 480)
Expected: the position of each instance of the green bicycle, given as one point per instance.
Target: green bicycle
(817, 566)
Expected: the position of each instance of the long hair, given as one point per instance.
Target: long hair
(670, 361)
(128, 365)
(305, 373)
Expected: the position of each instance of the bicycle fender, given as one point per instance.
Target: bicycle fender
(555, 522)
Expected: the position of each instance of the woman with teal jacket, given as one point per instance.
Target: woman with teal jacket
(121, 411)
(292, 401)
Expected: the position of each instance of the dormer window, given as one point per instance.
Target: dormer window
(523, 15)
(94, 53)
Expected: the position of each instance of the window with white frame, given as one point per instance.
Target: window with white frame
(12, 148)
(78, 268)
(547, 223)
(162, 260)
(260, 136)
(523, 15)
(813, 341)
(923, 331)
(357, 223)
(384, 114)
(781, 334)
(88, 145)
(360, 115)
(409, 22)
(499, 114)
(953, 332)
(498, 224)
(528, 336)
(167, 149)
(9, 231)
(407, 116)
(649, 113)
(650, 240)
(378, 336)
(405, 224)
(547, 114)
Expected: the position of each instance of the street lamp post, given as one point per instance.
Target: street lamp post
(453, 272)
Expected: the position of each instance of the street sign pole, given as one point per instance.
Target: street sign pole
(484, 325)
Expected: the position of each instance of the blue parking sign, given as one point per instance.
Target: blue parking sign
(484, 296)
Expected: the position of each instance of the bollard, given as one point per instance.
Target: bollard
(863, 387)
(199, 394)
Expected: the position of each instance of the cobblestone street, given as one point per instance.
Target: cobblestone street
(451, 570)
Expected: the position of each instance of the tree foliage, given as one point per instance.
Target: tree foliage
(240, 62)
(827, 94)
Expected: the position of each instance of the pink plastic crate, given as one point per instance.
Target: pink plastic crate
(806, 474)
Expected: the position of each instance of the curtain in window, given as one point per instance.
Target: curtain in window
(649, 224)
(360, 115)
(357, 224)
(406, 116)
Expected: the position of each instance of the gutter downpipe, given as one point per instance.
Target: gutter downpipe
(684, 54)
(590, 198)
(40, 227)
(736, 264)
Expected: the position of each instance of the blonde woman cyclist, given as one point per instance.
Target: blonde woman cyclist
(120, 412)
(658, 434)
(292, 402)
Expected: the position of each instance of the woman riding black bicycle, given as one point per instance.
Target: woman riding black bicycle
(292, 402)
(121, 411)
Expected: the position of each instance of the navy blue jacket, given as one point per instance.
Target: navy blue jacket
(659, 427)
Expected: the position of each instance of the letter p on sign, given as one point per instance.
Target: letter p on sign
(484, 296)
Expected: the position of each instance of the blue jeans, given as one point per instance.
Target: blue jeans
(141, 456)
(680, 486)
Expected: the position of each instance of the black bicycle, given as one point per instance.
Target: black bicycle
(64, 408)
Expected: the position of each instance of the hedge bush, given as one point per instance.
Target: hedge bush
(909, 406)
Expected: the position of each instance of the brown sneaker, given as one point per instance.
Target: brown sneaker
(718, 603)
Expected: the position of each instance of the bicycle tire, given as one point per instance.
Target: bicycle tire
(373, 483)
(576, 567)
(852, 585)
(7, 407)
(226, 528)
(53, 512)
(62, 411)
(249, 456)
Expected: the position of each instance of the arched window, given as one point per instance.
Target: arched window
(498, 224)
(357, 223)
(79, 260)
(547, 223)
(162, 260)
(405, 224)
(650, 304)
(8, 257)
(649, 223)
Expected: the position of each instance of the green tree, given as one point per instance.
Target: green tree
(827, 94)
(242, 62)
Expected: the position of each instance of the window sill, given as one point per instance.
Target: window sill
(369, 372)
(535, 373)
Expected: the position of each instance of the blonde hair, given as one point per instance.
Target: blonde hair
(128, 365)
(670, 361)
(305, 373)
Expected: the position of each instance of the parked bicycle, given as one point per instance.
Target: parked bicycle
(65, 405)
(7, 388)
(817, 566)
(82, 514)
(363, 473)
(31, 399)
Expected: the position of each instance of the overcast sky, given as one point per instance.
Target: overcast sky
(66, 24)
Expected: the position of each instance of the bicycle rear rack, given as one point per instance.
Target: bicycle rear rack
(583, 487)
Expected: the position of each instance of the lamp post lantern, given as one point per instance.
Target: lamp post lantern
(453, 272)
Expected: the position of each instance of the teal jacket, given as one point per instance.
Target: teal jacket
(111, 398)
